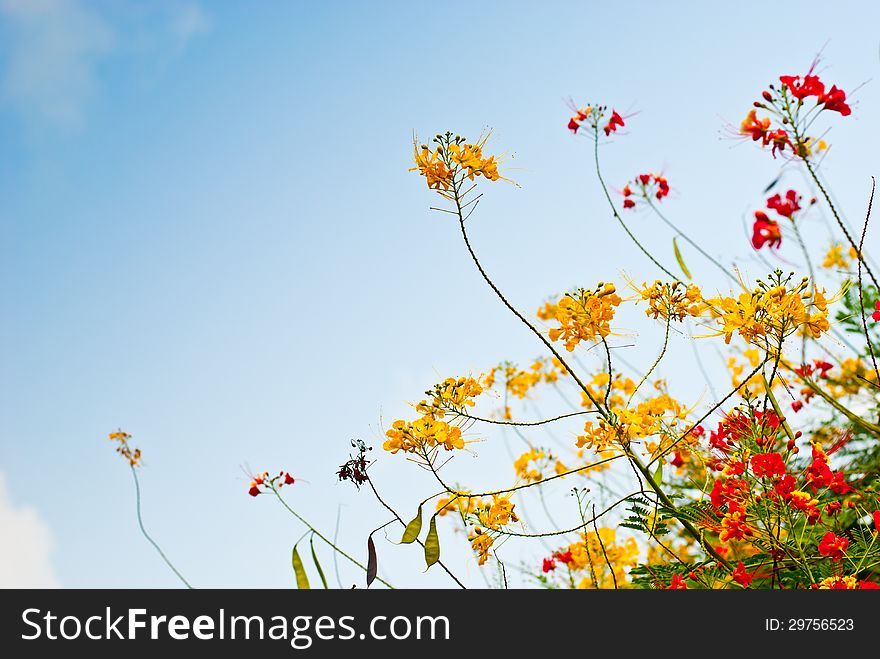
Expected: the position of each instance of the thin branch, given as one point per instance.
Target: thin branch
(861, 294)
(397, 517)
(137, 490)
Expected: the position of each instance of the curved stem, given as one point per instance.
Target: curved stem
(137, 490)
(803, 246)
(515, 312)
(397, 517)
(840, 223)
(522, 423)
(687, 432)
(692, 531)
(524, 486)
(617, 215)
(690, 242)
(656, 361)
(861, 294)
(323, 537)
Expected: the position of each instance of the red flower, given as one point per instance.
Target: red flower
(833, 508)
(765, 231)
(678, 460)
(575, 122)
(876, 314)
(835, 100)
(754, 127)
(868, 585)
(768, 465)
(288, 479)
(877, 521)
(823, 367)
(742, 576)
(645, 178)
(549, 564)
(833, 546)
(662, 186)
(785, 206)
(797, 405)
(628, 203)
(778, 138)
(563, 557)
(811, 86)
(254, 491)
(677, 583)
(838, 484)
(613, 123)
(734, 525)
(785, 487)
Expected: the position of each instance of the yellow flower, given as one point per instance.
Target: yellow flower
(772, 312)
(835, 258)
(547, 311)
(521, 465)
(480, 543)
(585, 315)
(462, 503)
(132, 455)
(498, 513)
(422, 434)
(588, 556)
(841, 583)
(431, 165)
(820, 146)
(453, 160)
(673, 300)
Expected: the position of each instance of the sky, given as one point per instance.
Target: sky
(210, 239)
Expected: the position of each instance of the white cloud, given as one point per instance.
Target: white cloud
(25, 546)
(52, 55)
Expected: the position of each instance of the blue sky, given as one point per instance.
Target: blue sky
(210, 239)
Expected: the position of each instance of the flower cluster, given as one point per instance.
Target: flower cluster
(263, 481)
(645, 187)
(672, 300)
(598, 556)
(452, 160)
(529, 465)
(430, 430)
(594, 116)
(771, 312)
(585, 315)
(132, 455)
(791, 115)
(490, 517)
(766, 231)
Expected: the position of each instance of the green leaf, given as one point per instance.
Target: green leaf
(684, 269)
(412, 529)
(302, 579)
(658, 473)
(372, 561)
(317, 564)
(432, 543)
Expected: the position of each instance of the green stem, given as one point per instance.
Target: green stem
(137, 490)
(617, 215)
(323, 537)
(692, 531)
(834, 212)
(689, 241)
